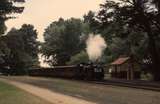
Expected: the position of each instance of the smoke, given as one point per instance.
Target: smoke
(95, 47)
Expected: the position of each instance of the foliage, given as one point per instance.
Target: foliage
(8, 7)
(135, 25)
(79, 58)
(63, 39)
(90, 20)
(4, 51)
(23, 48)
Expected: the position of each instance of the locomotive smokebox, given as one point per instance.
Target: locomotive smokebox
(91, 71)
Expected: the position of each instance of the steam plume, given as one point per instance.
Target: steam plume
(95, 46)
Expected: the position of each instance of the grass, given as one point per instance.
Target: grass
(12, 95)
(96, 93)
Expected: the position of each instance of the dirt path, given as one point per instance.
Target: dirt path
(47, 95)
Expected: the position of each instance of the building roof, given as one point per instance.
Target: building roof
(120, 61)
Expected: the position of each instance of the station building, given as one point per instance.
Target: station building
(125, 68)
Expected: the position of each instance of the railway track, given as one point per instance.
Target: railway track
(154, 86)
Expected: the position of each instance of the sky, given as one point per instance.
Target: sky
(41, 13)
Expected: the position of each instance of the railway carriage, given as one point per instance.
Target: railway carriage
(81, 71)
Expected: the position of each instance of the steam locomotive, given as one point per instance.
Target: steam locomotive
(83, 71)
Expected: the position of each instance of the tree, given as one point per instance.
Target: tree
(90, 20)
(63, 40)
(7, 8)
(23, 48)
(4, 51)
(139, 15)
(29, 35)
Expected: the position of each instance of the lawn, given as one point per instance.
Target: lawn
(12, 95)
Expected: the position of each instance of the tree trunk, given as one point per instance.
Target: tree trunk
(155, 58)
(153, 50)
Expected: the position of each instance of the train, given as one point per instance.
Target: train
(82, 71)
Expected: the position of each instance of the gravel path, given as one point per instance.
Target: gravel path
(47, 95)
(99, 94)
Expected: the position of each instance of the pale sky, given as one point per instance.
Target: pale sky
(41, 13)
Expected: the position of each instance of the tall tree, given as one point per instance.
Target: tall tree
(23, 48)
(63, 40)
(7, 8)
(90, 20)
(29, 34)
(139, 15)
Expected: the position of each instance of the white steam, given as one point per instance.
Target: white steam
(95, 47)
